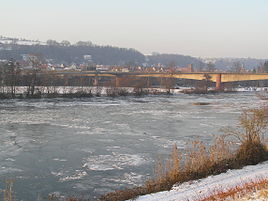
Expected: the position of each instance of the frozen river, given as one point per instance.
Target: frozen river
(87, 147)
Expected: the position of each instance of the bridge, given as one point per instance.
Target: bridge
(216, 77)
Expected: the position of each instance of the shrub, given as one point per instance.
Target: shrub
(139, 91)
(251, 127)
(123, 92)
(251, 153)
(250, 134)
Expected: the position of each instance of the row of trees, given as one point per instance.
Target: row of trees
(262, 68)
(11, 76)
(239, 67)
(236, 67)
(67, 43)
(36, 82)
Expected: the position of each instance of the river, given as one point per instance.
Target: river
(87, 147)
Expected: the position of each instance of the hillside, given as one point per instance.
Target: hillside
(105, 55)
(175, 60)
(68, 53)
(229, 63)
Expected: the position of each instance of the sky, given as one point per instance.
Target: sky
(201, 28)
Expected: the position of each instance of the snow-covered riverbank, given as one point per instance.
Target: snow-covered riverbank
(196, 190)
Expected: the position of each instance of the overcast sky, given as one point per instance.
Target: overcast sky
(205, 28)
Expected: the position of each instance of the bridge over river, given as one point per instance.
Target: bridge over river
(216, 77)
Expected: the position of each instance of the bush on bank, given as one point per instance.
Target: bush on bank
(82, 93)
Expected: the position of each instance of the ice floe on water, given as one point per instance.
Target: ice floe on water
(86, 150)
(98, 144)
(130, 178)
(76, 176)
(8, 170)
(60, 159)
(113, 161)
(65, 176)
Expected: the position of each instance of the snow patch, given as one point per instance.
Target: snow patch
(196, 190)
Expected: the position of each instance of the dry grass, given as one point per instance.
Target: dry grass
(199, 161)
(264, 193)
(250, 133)
(252, 126)
(240, 192)
(8, 192)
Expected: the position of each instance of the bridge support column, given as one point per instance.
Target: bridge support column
(218, 82)
(148, 82)
(96, 81)
(117, 81)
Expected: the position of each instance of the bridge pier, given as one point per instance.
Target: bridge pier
(218, 82)
(148, 83)
(96, 81)
(117, 81)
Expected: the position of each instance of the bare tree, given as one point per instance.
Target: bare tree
(237, 67)
(84, 43)
(65, 43)
(52, 42)
(265, 67)
(12, 71)
(211, 67)
(168, 83)
(204, 84)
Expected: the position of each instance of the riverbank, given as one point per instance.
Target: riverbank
(216, 187)
(39, 92)
(202, 160)
(24, 92)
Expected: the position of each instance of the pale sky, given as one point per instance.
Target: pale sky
(202, 28)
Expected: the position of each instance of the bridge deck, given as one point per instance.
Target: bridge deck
(225, 77)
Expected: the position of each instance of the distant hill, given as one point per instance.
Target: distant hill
(105, 55)
(175, 60)
(67, 53)
(228, 63)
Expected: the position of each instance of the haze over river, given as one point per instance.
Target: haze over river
(91, 146)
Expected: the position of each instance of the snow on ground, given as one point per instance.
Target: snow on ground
(103, 90)
(196, 190)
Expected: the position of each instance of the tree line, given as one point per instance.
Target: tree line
(68, 54)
